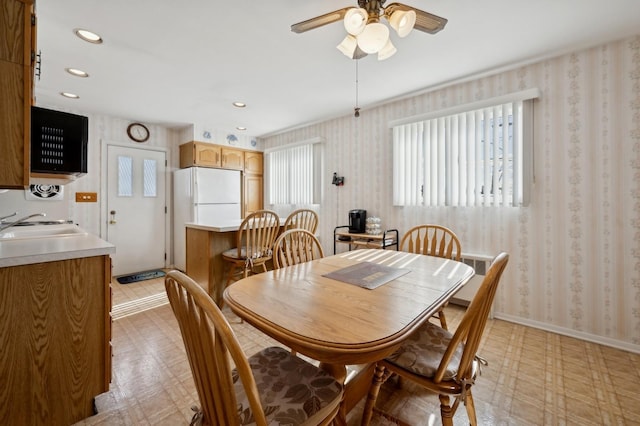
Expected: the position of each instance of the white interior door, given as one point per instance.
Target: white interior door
(136, 208)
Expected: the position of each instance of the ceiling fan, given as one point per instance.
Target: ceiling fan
(366, 34)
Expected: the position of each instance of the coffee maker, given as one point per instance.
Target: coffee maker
(357, 221)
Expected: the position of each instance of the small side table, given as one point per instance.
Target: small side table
(387, 239)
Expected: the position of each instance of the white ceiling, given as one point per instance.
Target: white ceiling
(184, 62)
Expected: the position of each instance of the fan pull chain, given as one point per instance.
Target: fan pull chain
(357, 108)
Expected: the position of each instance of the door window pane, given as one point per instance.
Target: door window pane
(125, 176)
(150, 178)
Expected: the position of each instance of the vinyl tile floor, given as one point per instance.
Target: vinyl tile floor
(533, 377)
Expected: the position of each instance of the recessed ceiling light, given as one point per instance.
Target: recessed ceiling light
(239, 104)
(89, 36)
(70, 95)
(76, 72)
(241, 128)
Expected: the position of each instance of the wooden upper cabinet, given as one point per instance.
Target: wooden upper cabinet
(17, 54)
(253, 162)
(200, 154)
(232, 159)
(15, 32)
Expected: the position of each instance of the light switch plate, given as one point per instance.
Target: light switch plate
(86, 197)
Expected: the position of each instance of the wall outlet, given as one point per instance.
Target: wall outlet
(86, 197)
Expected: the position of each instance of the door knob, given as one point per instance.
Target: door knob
(113, 217)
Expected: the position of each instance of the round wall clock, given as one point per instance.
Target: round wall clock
(138, 132)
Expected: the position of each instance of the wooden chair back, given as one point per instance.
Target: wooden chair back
(209, 340)
(302, 218)
(433, 240)
(471, 327)
(447, 368)
(256, 235)
(296, 246)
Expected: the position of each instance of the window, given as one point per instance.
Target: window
(293, 173)
(476, 155)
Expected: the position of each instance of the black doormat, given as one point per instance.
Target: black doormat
(140, 276)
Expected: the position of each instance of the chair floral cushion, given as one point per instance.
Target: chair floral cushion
(422, 352)
(292, 391)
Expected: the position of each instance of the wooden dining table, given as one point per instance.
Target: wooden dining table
(340, 319)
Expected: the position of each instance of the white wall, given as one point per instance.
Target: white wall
(575, 251)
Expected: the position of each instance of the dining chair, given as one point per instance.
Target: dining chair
(254, 243)
(271, 387)
(440, 361)
(433, 240)
(302, 218)
(296, 246)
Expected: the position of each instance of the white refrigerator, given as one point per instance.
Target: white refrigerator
(204, 196)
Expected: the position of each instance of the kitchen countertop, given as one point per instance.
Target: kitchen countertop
(222, 226)
(15, 252)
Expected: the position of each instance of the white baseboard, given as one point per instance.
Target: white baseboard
(569, 332)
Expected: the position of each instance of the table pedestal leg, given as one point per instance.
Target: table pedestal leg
(340, 373)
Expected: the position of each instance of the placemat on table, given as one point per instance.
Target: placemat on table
(367, 275)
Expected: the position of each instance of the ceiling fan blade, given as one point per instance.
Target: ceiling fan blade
(319, 21)
(425, 21)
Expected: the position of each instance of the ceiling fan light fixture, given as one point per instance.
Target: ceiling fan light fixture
(363, 23)
(349, 47)
(374, 37)
(403, 21)
(355, 20)
(387, 51)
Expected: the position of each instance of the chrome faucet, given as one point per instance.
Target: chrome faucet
(4, 217)
(8, 225)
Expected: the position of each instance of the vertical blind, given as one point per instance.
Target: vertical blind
(469, 158)
(291, 175)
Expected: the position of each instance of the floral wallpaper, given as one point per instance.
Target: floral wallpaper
(575, 250)
(574, 263)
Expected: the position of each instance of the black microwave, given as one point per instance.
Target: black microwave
(59, 142)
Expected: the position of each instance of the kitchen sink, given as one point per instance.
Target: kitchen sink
(41, 231)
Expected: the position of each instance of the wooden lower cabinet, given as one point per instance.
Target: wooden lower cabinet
(55, 333)
(204, 259)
